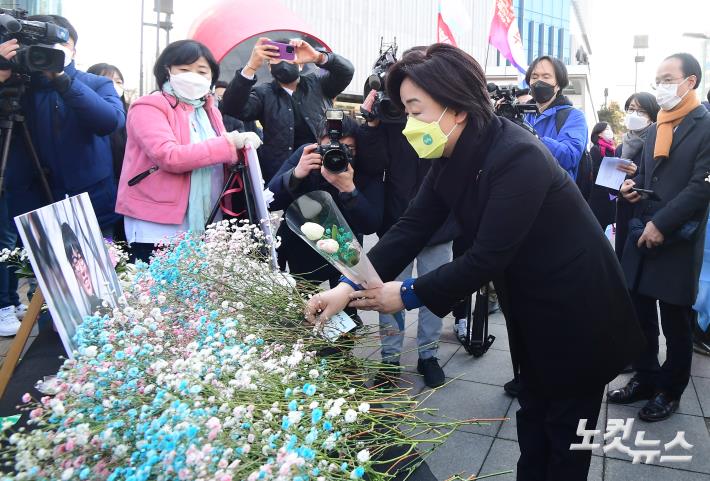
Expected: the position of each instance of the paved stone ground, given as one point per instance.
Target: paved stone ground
(475, 390)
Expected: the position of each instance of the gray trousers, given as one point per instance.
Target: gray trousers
(429, 326)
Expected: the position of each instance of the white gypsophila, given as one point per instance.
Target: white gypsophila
(350, 416)
(363, 456)
(364, 407)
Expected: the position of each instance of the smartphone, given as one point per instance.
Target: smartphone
(647, 194)
(286, 51)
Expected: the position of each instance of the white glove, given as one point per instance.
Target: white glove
(242, 139)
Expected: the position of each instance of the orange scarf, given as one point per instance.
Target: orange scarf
(668, 120)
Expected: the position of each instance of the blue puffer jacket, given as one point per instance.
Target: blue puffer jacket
(568, 144)
(70, 123)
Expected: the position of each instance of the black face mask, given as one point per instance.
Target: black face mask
(542, 92)
(284, 72)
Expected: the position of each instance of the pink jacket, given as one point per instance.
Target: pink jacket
(159, 135)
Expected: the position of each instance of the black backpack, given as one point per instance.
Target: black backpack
(585, 171)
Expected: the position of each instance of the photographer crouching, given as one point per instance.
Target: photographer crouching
(69, 114)
(331, 167)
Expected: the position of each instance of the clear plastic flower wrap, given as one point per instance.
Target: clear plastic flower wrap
(316, 219)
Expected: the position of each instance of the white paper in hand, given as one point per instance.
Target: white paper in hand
(338, 325)
(609, 175)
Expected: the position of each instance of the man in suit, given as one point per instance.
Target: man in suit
(662, 260)
(529, 229)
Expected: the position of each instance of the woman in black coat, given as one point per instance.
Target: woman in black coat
(641, 111)
(528, 229)
(602, 200)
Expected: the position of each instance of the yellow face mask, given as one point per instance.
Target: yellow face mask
(427, 139)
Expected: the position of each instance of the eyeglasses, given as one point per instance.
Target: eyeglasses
(677, 81)
(632, 110)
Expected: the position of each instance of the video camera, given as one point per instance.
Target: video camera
(507, 104)
(336, 155)
(383, 109)
(36, 39)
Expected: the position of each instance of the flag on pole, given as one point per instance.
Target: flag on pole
(505, 35)
(443, 32)
(453, 22)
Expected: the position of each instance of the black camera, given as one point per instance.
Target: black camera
(507, 104)
(383, 109)
(36, 39)
(336, 155)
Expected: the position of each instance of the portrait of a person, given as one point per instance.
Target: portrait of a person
(80, 267)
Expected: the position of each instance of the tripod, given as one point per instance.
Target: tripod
(10, 116)
(237, 170)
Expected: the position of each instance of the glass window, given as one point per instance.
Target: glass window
(531, 41)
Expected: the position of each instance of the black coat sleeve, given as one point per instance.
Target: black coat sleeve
(373, 154)
(279, 183)
(517, 191)
(412, 232)
(691, 199)
(596, 154)
(364, 211)
(339, 73)
(241, 99)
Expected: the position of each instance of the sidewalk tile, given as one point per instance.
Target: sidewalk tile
(616, 470)
(701, 365)
(463, 400)
(696, 433)
(463, 453)
(702, 387)
(494, 367)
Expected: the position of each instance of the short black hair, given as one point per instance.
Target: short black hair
(58, 20)
(350, 127)
(597, 130)
(71, 242)
(689, 65)
(105, 70)
(647, 102)
(221, 84)
(183, 52)
(557, 65)
(449, 75)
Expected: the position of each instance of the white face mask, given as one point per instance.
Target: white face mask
(190, 85)
(68, 54)
(636, 121)
(607, 135)
(119, 89)
(667, 95)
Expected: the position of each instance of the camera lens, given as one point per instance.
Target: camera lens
(289, 49)
(335, 160)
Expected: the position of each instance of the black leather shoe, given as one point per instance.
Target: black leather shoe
(432, 372)
(660, 407)
(512, 388)
(632, 392)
